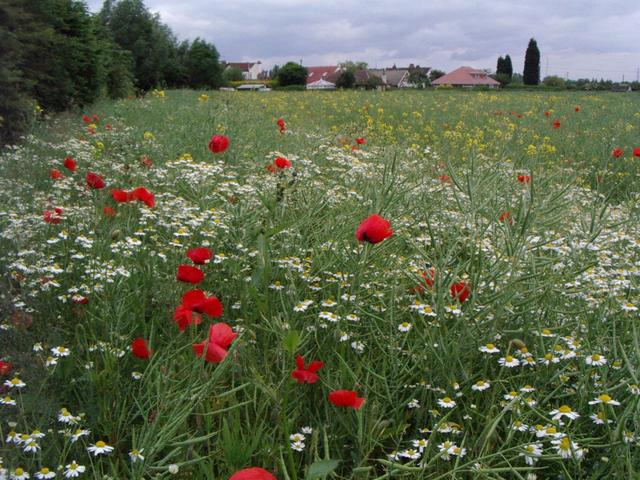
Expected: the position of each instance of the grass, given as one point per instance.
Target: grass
(553, 287)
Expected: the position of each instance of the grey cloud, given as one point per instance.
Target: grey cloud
(578, 36)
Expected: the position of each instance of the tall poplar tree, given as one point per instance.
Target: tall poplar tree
(531, 74)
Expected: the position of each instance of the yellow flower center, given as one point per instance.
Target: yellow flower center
(595, 357)
(19, 471)
(100, 444)
(551, 430)
(604, 398)
(490, 346)
(546, 331)
(548, 356)
(44, 470)
(565, 409)
(509, 358)
(565, 444)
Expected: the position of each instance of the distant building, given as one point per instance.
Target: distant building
(250, 70)
(466, 77)
(394, 77)
(322, 78)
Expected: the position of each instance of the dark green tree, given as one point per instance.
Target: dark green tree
(500, 66)
(15, 107)
(508, 67)
(347, 79)
(292, 74)
(531, 71)
(201, 65)
(435, 74)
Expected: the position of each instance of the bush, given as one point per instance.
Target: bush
(292, 74)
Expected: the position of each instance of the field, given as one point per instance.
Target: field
(492, 329)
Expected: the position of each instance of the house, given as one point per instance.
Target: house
(393, 77)
(322, 78)
(466, 77)
(250, 70)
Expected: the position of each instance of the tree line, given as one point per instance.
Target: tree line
(56, 55)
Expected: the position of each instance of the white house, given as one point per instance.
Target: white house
(250, 70)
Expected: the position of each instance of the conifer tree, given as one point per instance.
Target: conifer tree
(531, 71)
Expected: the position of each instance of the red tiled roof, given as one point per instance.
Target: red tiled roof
(318, 73)
(466, 76)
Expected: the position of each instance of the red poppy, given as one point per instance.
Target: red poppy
(140, 349)
(184, 317)
(282, 163)
(56, 174)
(5, 368)
(636, 152)
(146, 161)
(524, 178)
(272, 168)
(617, 152)
(189, 274)
(346, 398)
(197, 301)
(86, 119)
(218, 143)
(199, 255)
(120, 196)
(374, 229)
(214, 347)
(144, 196)
(506, 217)
(95, 118)
(54, 216)
(308, 374)
(282, 126)
(108, 126)
(460, 291)
(361, 141)
(70, 164)
(444, 179)
(252, 473)
(547, 113)
(95, 181)
(109, 212)
(429, 277)
(556, 123)
(80, 300)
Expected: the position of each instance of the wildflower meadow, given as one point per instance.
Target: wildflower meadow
(309, 285)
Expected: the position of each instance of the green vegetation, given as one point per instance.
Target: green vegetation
(493, 335)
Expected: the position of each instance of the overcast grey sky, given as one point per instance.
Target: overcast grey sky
(583, 39)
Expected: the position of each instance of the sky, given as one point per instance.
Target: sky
(576, 38)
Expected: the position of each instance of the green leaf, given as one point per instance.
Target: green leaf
(321, 469)
(291, 341)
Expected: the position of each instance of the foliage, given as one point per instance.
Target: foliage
(354, 66)
(292, 74)
(436, 74)
(201, 65)
(553, 283)
(346, 79)
(232, 74)
(554, 81)
(531, 73)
